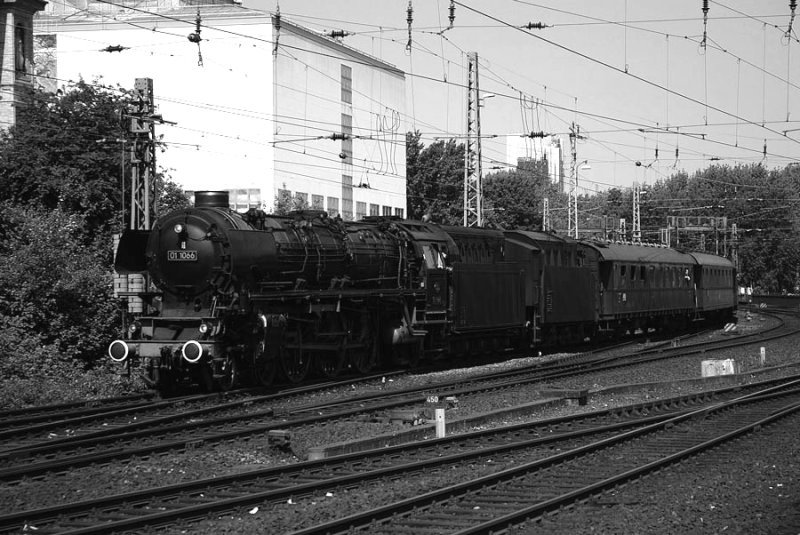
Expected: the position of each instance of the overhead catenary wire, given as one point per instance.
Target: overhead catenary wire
(545, 104)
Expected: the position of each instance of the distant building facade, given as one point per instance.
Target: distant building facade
(257, 105)
(16, 51)
(547, 149)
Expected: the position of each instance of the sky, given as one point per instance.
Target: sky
(654, 87)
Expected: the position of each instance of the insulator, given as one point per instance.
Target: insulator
(452, 16)
(409, 19)
(705, 7)
(536, 26)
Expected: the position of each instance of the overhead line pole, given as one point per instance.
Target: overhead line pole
(572, 225)
(144, 204)
(473, 181)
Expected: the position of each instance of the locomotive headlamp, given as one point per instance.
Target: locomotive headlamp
(178, 228)
(134, 327)
(192, 351)
(119, 351)
(204, 328)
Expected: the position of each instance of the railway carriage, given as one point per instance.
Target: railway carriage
(487, 308)
(559, 286)
(716, 286)
(642, 287)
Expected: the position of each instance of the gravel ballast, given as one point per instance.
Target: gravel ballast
(701, 498)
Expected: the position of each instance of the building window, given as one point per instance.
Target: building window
(399, 212)
(333, 206)
(317, 202)
(242, 200)
(361, 210)
(374, 209)
(347, 141)
(387, 210)
(347, 197)
(347, 84)
(20, 54)
(300, 201)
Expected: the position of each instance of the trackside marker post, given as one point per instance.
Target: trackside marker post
(440, 424)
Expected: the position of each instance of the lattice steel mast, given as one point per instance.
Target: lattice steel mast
(473, 180)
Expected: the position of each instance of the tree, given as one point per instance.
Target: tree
(64, 153)
(60, 200)
(171, 196)
(435, 180)
(760, 203)
(53, 284)
(285, 202)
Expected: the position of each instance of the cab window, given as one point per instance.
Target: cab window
(433, 257)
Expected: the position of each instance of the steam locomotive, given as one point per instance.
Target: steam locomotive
(255, 298)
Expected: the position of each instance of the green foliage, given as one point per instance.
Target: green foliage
(435, 180)
(64, 153)
(57, 313)
(761, 203)
(514, 199)
(435, 175)
(54, 286)
(285, 202)
(171, 196)
(60, 200)
(770, 263)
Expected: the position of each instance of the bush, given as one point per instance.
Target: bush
(57, 311)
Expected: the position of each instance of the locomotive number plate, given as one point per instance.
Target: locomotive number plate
(182, 256)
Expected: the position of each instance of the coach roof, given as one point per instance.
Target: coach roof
(619, 252)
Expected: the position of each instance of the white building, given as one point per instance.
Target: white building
(259, 104)
(538, 149)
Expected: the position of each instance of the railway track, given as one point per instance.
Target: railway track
(48, 425)
(188, 429)
(513, 496)
(512, 445)
(48, 413)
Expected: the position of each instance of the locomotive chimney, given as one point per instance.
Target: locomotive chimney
(211, 199)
